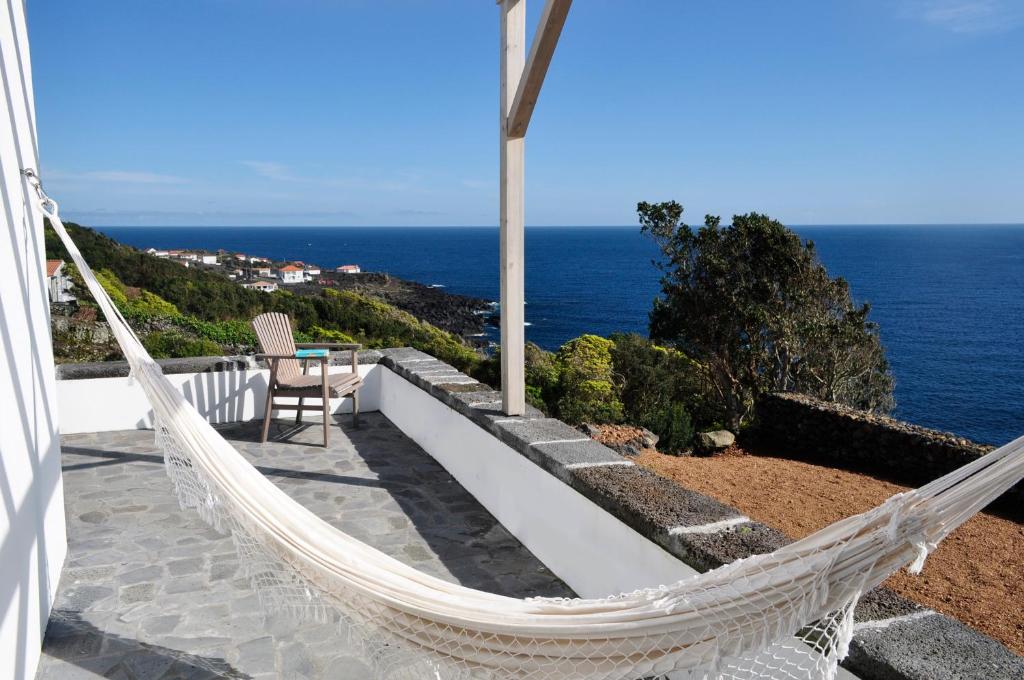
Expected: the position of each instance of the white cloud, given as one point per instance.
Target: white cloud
(969, 16)
(271, 170)
(402, 182)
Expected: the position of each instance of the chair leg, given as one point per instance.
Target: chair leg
(298, 413)
(268, 410)
(267, 413)
(355, 409)
(326, 396)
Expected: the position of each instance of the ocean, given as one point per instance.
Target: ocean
(949, 299)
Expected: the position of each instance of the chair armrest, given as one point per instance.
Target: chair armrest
(328, 345)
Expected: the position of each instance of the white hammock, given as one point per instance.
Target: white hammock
(783, 615)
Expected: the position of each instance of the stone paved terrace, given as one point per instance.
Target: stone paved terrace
(150, 591)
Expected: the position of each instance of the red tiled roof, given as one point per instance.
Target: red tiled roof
(290, 268)
(52, 266)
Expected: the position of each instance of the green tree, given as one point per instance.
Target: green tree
(752, 302)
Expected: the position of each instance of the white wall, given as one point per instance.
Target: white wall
(569, 533)
(106, 404)
(32, 531)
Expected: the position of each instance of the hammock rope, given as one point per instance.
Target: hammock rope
(785, 615)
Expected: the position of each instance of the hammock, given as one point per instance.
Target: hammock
(786, 615)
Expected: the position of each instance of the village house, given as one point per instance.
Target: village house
(157, 253)
(264, 286)
(58, 283)
(348, 269)
(290, 274)
(262, 271)
(207, 258)
(311, 272)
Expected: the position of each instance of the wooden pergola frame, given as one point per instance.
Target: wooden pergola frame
(521, 82)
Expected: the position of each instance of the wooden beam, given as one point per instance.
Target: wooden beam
(543, 48)
(513, 338)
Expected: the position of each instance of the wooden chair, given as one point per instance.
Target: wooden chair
(274, 331)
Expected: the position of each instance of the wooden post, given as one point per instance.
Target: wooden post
(513, 338)
(541, 51)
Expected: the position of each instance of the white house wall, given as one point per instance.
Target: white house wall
(107, 404)
(33, 542)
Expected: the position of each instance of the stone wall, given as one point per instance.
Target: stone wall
(798, 426)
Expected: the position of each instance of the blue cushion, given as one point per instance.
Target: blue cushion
(310, 353)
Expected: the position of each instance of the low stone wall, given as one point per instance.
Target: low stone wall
(798, 426)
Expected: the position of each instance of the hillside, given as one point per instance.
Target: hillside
(181, 311)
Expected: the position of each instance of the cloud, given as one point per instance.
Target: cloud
(969, 16)
(404, 182)
(271, 170)
(121, 177)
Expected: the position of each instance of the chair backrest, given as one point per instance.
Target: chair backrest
(274, 331)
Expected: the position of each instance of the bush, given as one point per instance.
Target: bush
(233, 332)
(662, 390)
(173, 344)
(320, 334)
(586, 390)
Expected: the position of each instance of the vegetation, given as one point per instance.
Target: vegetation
(663, 390)
(753, 304)
(193, 312)
(744, 309)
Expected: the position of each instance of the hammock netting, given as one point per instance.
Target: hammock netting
(786, 615)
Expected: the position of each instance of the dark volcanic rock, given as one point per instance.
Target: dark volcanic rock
(459, 314)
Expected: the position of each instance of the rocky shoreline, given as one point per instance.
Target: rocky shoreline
(462, 315)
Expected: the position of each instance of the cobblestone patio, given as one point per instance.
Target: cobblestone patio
(149, 591)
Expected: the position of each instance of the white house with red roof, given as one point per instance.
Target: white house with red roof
(291, 273)
(348, 269)
(58, 283)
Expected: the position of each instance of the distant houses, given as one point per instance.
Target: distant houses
(253, 271)
(186, 257)
(58, 283)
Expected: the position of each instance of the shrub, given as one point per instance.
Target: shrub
(320, 334)
(585, 388)
(174, 344)
(662, 390)
(233, 332)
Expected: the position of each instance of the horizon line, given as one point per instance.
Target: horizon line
(529, 226)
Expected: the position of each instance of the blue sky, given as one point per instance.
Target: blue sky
(384, 112)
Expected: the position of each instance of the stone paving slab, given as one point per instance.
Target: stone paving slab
(149, 591)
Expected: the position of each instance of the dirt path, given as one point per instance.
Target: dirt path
(976, 575)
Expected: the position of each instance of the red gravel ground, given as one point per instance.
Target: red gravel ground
(976, 575)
